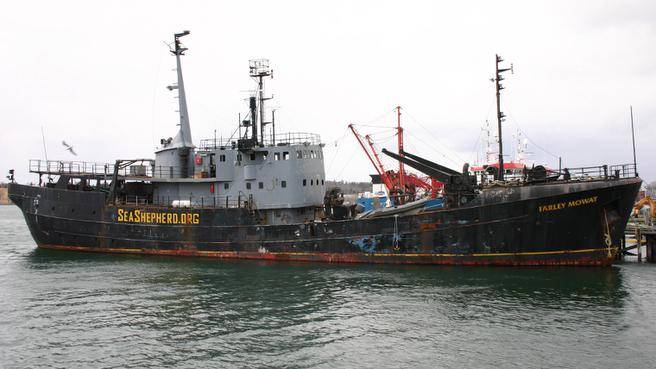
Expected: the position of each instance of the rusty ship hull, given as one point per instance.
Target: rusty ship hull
(572, 223)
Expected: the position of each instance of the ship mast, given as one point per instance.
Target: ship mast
(183, 138)
(500, 116)
(400, 149)
(259, 68)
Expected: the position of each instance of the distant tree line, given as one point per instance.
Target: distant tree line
(349, 187)
(650, 189)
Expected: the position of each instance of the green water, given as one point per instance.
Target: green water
(65, 309)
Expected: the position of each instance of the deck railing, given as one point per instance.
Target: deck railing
(596, 172)
(140, 169)
(70, 167)
(280, 139)
(193, 202)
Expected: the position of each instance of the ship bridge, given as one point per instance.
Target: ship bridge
(283, 176)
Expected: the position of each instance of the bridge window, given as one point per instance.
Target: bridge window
(248, 185)
(299, 154)
(222, 157)
(226, 185)
(313, 155)
(276, 156)
(253, 157)
(312, 182)
(305, 182)
(260, 185)
(283, 184)
(285, 155)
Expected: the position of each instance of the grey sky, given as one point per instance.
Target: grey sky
(94, 74)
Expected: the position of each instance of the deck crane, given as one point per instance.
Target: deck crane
(400, 187)
(385, 176)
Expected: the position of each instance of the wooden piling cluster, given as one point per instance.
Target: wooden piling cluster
(636, 236)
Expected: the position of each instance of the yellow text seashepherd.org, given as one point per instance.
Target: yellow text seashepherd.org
(140, 216)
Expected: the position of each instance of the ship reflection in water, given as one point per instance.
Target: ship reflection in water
(78, 309)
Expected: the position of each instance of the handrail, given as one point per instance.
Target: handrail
(597, 172)
(142, 169)
(280, 139)
(193, 202)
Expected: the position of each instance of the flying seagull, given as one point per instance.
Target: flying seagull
(69, 148)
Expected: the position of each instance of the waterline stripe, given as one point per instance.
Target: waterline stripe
(218, 252)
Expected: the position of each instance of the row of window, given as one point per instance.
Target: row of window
(283, 184)
(312, 182)
(300, 154)
(309, 154)
(222, 157)
(260, 185)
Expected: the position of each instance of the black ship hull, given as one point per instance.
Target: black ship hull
(573, 223)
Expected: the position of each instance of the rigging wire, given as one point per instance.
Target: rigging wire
(475, 148)
(478, 149)
(383, 139)
(337, 142)
(434, 137)
(434, 149)
(346, 163)
(528, 138)
(378, 118)
(156, 86)
(375, 126)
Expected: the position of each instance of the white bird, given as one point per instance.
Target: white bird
(69, 148)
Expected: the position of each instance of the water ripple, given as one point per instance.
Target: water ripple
(63, 309)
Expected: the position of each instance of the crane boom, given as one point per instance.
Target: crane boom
(375, 162)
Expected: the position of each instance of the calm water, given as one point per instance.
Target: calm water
(64, 309)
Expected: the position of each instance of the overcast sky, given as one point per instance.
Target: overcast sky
(94, 74)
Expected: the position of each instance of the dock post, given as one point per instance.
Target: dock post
(651, 247)
(638, 237)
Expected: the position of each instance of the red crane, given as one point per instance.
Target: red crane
(384, 175)
(400, 185)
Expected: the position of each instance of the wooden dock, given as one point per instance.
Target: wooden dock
(639, 233)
